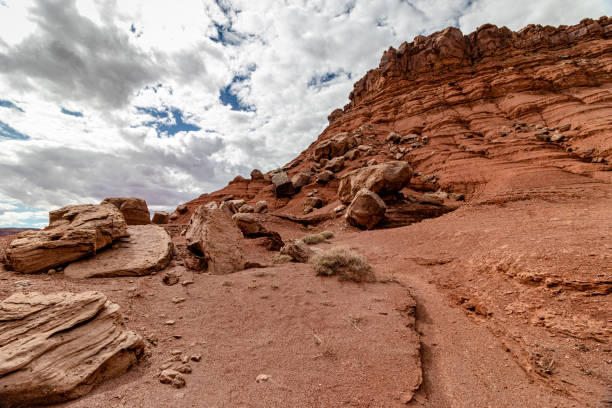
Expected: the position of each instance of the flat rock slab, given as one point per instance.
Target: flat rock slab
(148, 249)
(56, 347)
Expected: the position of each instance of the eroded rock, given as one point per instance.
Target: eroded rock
(380, 178)
(297, 250)
(161, 217)
(74, 232)
(366, 210)
(282, 185)
(148, 249)
(57, 347)
(213, 235)
(134, 210)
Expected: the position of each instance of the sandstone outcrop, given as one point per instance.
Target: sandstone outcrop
(380, 178)
(366, 210)
(57, 347)
(336, 146)
(282, 184)
(161, 217)
(213, 235)
(134, 210)
(74, 232)
(148, 249)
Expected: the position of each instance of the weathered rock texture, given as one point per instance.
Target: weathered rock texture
(161, 217)
(74, 232)
(213, 235)
(147, 249)
(366, 210)
(380, 178)
(57, 347)
(476, 114)
(134, 210)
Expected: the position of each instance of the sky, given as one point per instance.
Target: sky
(166, 100)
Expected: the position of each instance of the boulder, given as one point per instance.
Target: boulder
(393, 138)
(335, 115)
(256, 175)
(134, 210)
(57, 347)
(335, 146)
(246, 208)
(380, 178)
(301, 179)
(261, 207)
(311, 203)
(213, 235)
(325, 177)
(181, 209)
(282, 185)
(161, 217)
(233, 204)
(366, 210)
(297, 250)
(148, 249)
(74, 232)
(248, 224)
(227, 208)
(336, 164)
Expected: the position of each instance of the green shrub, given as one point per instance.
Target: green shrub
(342, 262)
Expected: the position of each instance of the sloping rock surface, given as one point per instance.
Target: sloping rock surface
(148, 249)
(56, 347)
(74, 232)
(213, 235)
(134, 210)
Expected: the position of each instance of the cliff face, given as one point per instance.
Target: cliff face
(495, 115)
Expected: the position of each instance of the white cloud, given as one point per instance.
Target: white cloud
(105, 59)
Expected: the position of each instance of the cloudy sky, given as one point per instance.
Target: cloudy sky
(166, 100)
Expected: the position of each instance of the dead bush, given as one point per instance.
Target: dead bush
(343, 262)
(280, 258)
(313, 239)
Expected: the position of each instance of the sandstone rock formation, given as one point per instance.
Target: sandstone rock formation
(282, 184)
(147, 249)
(74, 232)
(366, 210)
(213, 235)
(381, 178)
(57, 347)
(334, 147)
(161, 217)
(134, 210)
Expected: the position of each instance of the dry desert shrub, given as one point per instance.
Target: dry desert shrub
(343, 262)
(313, 239)
(280, 258)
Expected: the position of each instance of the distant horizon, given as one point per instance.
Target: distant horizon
(164, 103)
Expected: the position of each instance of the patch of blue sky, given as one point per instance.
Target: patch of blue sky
(168, 121)
(15, 215)
(8, 104)
(229, 98)
(8, 132)
(72, 113)
(323, 80)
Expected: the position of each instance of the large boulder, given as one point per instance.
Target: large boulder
(213, 235)
(256, 175)
(161, 217)
(57, 347)
(249, 224)
(379, 178)
(366, 210)
(74, 232)
(134, 210)
(335, 146)
(148, 249)
(282, 185)
(301, 179)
